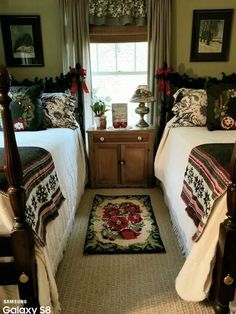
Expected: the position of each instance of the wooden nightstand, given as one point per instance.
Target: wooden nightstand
(121, 158)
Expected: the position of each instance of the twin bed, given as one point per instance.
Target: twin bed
(198, 279)
(32, 266)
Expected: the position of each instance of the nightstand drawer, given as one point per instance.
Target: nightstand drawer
(120, 137)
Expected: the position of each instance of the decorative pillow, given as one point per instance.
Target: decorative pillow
(26, 108)
(221, 111)
(59, 110)
(190, 107)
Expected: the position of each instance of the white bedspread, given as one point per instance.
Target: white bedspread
(67, 150)
(193, 281)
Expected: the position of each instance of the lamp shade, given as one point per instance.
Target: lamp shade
(142, 94)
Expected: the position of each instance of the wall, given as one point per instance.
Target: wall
(181, 39)
(50, 26)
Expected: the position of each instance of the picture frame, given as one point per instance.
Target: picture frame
(211, 32)
(119, 112)
(22, 40)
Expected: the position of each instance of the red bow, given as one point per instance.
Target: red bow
(81, 75)
(164, 83)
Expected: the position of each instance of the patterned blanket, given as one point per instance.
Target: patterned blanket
(206, 178)
(43, 194)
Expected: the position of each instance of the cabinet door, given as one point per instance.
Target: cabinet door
(134, 170)
(106, 164)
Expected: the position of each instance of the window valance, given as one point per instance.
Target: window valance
(117, 12)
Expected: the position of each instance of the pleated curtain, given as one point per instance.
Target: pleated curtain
(74, 15)
(159, 46)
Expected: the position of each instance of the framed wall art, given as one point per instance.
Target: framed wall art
(211, 32)
(119, 115)
(22, 40)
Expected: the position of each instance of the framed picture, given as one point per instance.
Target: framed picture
(119, 115)
(211, 33)
(22, 40)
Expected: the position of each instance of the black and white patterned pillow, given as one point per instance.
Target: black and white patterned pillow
(190, 107)
(59, 110)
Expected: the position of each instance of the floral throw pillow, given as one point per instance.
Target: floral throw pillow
(190, 107)
(26, 108)
(221, 111)
(59, 110)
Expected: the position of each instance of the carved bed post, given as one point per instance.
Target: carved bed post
(164, 91)
(80, 103)
(225, 269)
(21, 235)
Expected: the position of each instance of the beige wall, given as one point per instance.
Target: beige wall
(181, 39)
(49, 14)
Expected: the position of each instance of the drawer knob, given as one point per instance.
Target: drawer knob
(228, 280)
(23, 278)
(102, 139)
(140, 138)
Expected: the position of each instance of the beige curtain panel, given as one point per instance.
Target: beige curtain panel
(159, 39)
(75, 43)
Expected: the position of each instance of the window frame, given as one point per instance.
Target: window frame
(117, 72)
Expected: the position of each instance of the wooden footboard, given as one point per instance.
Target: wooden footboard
(223, 286)
(19, 244)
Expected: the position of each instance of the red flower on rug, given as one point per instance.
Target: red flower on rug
(122, 220)
(118, 223)
(110, 210)
(136, 218)
(131, 208)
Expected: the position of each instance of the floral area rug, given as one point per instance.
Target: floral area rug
(122, 224)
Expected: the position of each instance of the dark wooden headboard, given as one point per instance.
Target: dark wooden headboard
(58, 84)
(178, 81)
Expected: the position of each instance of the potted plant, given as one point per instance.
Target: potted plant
(99, 107)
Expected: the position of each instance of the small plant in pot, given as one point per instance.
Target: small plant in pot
(99, 107)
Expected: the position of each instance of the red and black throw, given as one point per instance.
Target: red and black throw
(43, 194)
(206, 178)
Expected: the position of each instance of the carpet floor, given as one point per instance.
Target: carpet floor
(123, 283)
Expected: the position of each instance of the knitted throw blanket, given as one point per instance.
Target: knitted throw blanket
(206, 178)
(43, 194)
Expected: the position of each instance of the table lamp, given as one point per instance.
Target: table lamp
(142, 95)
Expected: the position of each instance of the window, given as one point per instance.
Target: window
(117, 70)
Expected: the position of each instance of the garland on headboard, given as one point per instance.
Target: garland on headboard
(60, 83)
(73, 80)
(183, 80)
